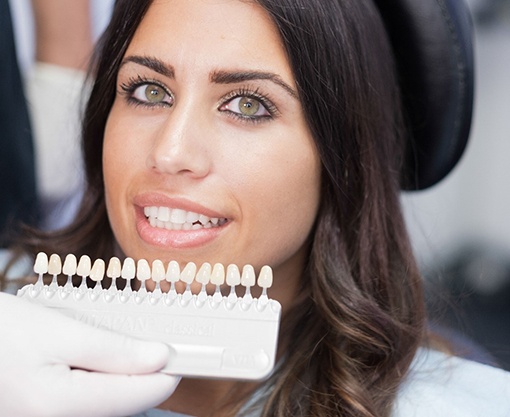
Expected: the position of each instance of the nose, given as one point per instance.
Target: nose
(180, 145)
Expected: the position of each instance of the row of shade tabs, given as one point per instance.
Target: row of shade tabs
(158, 272)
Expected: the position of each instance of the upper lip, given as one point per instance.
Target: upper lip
(162, 200)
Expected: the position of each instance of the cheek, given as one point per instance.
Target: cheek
(119, 164)
(112, 161)
(281, 201)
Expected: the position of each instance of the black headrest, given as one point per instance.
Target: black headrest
(433, 45)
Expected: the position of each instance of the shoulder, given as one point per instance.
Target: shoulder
(443, 385)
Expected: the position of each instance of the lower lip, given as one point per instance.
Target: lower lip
(178, 239)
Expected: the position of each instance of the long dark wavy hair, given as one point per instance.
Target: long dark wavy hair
(354, 334)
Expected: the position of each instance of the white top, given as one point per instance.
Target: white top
(439, 385)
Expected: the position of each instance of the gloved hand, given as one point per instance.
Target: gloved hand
(52, 365)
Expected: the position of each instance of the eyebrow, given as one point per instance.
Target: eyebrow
(227, 77)
(151, 63)
(218, 77)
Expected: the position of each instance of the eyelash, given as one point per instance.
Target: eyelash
(252, 94)
(128, 89)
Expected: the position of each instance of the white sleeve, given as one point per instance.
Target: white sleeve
(440, 385)
(54, 97)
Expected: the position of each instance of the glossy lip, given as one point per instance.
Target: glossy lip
(177, 239)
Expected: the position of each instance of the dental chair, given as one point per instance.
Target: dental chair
(433, 44)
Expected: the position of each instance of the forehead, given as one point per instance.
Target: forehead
(209, 32)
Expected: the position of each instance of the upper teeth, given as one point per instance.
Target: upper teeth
(178, 219)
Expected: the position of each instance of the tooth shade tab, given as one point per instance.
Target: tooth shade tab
(173, 272)
(70, 265)
(114, 268)
(204, 274)
(233, 275)
(84, 266)
(188, 273)
(128, 269)
(41, 263)
(210, 336)
(218, 274)
(248, 276)
(265, 277)
(158, 271)
(97, 271)
(143, 270)
(54, 265)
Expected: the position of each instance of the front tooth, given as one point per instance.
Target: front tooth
(248, 276)
(143, 270)
(164, 214)
(84, 266)
(233, 275)
(204, 273)
(97, 271)
(114, 268)
(54, 265)
(158, 271)
(128, 269)
(265, 277)
(70, 264)
(173, 272)
(41, 263)
(178, 216)
(188, 273)
(218, 274)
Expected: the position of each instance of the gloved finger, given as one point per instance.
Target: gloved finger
(93, 349)
(61, 339)
(80, 393)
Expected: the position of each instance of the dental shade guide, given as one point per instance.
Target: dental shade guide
(209, 336)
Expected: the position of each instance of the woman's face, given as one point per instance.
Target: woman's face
(207, 156)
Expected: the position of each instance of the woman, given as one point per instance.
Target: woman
(281, 124)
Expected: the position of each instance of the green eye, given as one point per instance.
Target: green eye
(154, 93)
(248, 106)
(150, 94)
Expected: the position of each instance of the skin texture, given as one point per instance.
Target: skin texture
(63, 32)
(190, 149)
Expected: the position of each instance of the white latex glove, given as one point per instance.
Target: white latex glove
(52, 365)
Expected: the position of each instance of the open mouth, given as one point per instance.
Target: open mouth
(178, 219)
